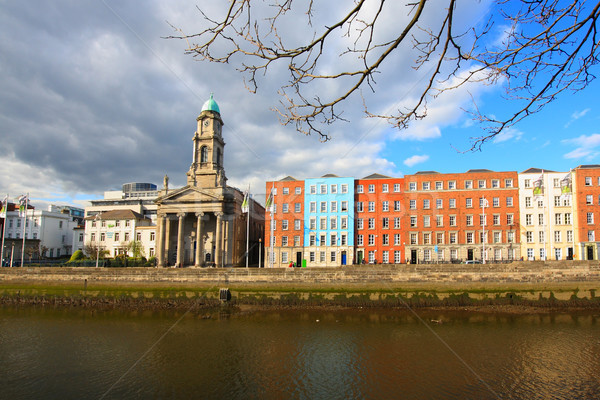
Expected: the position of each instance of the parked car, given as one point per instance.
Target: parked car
(472, 262)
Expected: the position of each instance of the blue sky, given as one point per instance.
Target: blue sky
(92, 96)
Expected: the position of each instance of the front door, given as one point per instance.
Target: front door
(569, 253)
(413, 256)
(299, 259)
(590, 252)
(343, 258)
(469, 254)
(359, 257)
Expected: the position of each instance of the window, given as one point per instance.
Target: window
(541, 219)
(496, 237)
(344, 205)
(284, 241)
(413, 238)
(469, 220)
(412, 186)
(452, 203)
(527, 183)
(556, 182)
(371, 206)
(344, 239)
(298, 190)
(569, 236)
(333, 240)
(495, 183)
(284, 257)
(397, 257)
(468, 184)
(509, 219)
(313, 189)
(439, 220)
(439, 185)
(138, 236)
(385, 223)
(590, 218)
(396, 239)
(567, 201)
(371, 223)
(81, 237)
(558, 219)
(508, 183)
(510, 236)
(412, 204)
(528, 219)
(557, 236)
(426, 221)
(371, 188)
(344, 223)
(439, 203)
(359, 240)
(385, 206)
(482, 219)
(426, 238)
(529, 237)
(286, 190)
(103, 223)
(322, 256)
(426, 204)
(396, 222)
(385, 257)
(589, 199)
(312, 224)
(591, 236)
(452, 219)
(313, 206)
(359, 189)
(469, 237)
(332, 255)
(322, 189)
(371, 257)
(333, 223)
(413, 221)
(385, 239)
(359, 223)
(93, 237)
(426, 186)
(297, 207)
(530, 254)
(102, 237)
(60, 224)
(284, 225)
(396, 205)
(285, 208)
(439, 238)
(371, 240)
(323, 206)
(527, 202)
(427, 255)
(496, 202)
(568, 219)
(333, 189)
(556, 201)
(127, 236)
(344, 187)
(451, 185)
(333, 206)
(396, 187)
(384, 188)
(588, 181)
(509, 202)
(322, 241)
(323, 223)
(469, 202)
(452, 237)
(359, 206)
(558, 254)
(496, 219)
(311, 256)
(311, 240)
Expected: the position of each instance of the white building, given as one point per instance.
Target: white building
(137, 197)
(53, 227)
(547, 218)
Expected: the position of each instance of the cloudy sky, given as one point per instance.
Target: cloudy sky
(92, 96)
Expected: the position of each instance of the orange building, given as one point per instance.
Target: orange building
(586, 190)
(378, 214)
(288, 221)
(454, 217)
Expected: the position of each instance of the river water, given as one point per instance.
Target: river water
(297, 354)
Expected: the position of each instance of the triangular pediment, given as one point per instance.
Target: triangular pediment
(189, 194)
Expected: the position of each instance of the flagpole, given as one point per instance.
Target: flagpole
(24, 231)
(248, 225)
(5, 205)
(272, 257)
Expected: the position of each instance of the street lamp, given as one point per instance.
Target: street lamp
(96, 219)
(259, 251)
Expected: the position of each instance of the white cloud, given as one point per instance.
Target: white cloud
(508, 134)
(576, 115)
(416, 159)
(586, 147)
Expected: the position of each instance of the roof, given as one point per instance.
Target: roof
(588, 166)
(377, 176)
(288, 179)
(480, 170)
(536, 171)
(330, 176)
(118, 214)
(427, 173)
(211, 105)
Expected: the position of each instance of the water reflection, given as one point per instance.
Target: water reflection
(298, 354)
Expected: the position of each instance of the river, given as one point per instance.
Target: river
(297, 354)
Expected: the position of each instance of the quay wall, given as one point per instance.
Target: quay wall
(536, 272)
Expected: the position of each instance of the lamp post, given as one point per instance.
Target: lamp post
(484, 204)
(259, 251)
(96, 219)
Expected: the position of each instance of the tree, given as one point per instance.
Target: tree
(546, 47)
(136, 248)
(92, 250)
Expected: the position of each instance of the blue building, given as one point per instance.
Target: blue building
(329, 220)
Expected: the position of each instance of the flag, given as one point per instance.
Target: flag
(23, 206)
(269, 203)
(565, 186)
(3, 207)
(245, 207)
(538, 186)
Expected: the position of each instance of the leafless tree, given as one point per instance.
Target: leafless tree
(546, 48)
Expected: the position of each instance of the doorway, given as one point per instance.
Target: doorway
(298, 258)
(343, 258)
(569, 253)
(413, 256)
(590, 252)
(469, 254)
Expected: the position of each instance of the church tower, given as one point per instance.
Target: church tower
(207, 169)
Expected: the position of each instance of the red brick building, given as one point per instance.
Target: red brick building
(378, 215)
(586, 190)
(288, 221)
(452, 217)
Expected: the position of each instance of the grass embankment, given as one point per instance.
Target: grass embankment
(184, 296)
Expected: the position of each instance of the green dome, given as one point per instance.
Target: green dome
(211, 105)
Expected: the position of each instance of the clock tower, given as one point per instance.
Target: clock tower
(207, 169)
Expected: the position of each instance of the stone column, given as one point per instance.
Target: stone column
(160, 240)
(167, 240)
(218, 239)
(180, 240)
(226, 226)
(199, 241)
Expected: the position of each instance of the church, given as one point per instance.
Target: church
(202, 223)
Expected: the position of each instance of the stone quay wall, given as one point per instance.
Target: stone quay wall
(535, 273)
